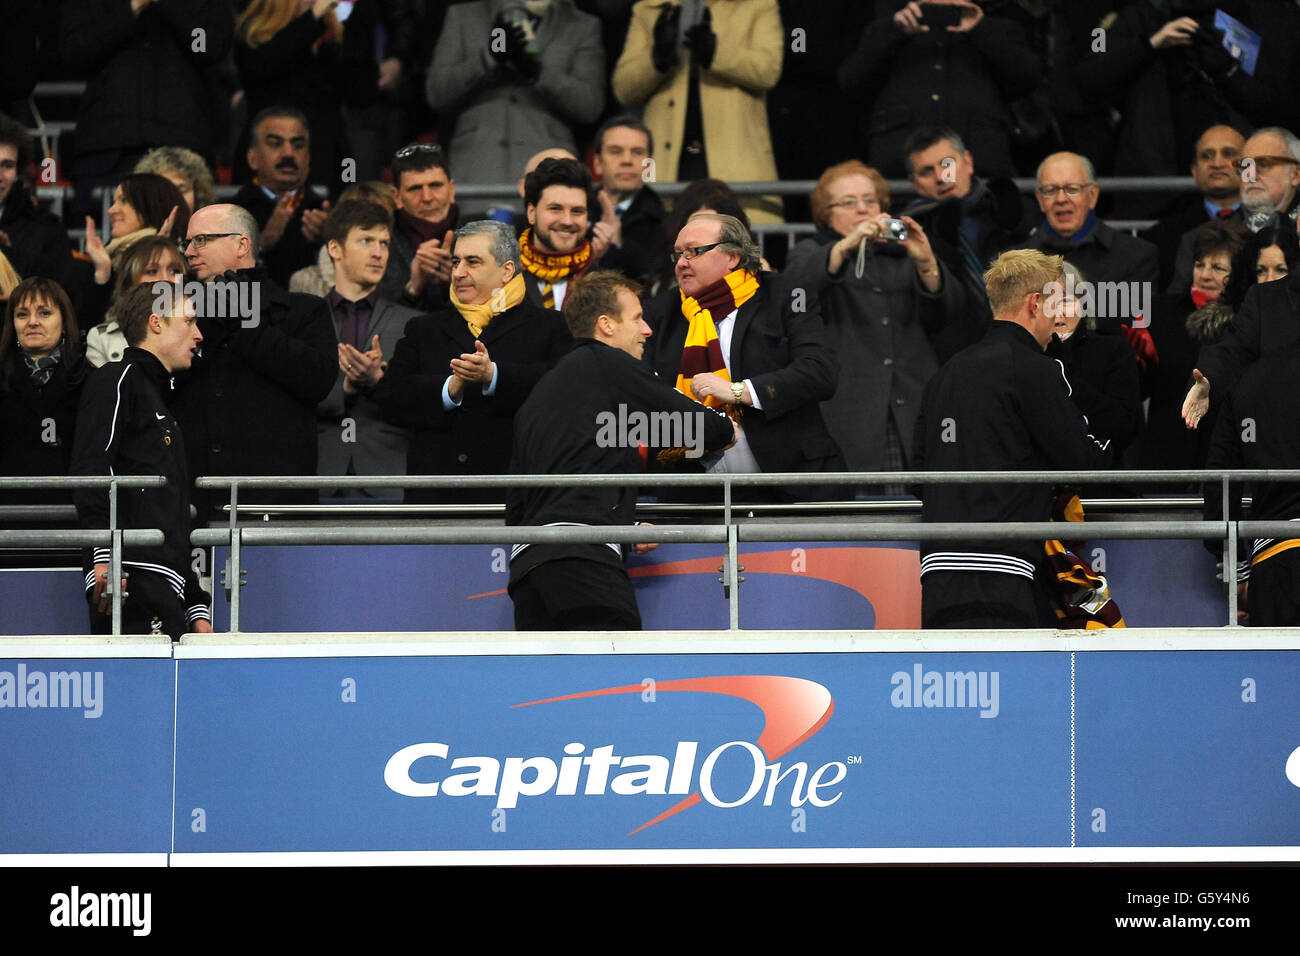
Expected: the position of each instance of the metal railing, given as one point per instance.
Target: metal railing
(508, 194)
(114, 537)
(732, 531)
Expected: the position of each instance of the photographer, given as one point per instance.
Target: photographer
(1164, 65)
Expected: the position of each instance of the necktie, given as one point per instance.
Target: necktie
(548, 296)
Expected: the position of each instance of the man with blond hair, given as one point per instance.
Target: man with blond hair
(1000, 405)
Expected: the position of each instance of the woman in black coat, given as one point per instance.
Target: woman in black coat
(1101, 368)
(41, 374)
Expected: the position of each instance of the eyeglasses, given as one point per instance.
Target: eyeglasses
(204, 238)
(415, 149)
(1262, 163)
(692, 253)
(853, 202)
(1070, 189)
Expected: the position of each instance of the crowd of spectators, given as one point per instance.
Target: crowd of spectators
(357, 319)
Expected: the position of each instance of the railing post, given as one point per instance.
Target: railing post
(1230, 558)
(234, 570)
(112, 581)
(733, 577)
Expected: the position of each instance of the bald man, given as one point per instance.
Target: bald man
(1067, 195)
(268, 358)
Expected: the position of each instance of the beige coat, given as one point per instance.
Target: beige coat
(732, 93)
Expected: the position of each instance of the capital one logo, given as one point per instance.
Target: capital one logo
(794, 710)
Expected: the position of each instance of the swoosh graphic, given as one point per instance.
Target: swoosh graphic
(888, 578)
(793, 710)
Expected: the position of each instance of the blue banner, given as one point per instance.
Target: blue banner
(86, 755)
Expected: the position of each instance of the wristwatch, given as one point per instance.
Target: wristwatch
(738, 391)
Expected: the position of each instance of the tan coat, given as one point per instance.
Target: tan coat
(732, 93)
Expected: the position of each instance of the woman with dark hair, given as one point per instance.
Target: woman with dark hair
(41, 374)
(144, 204)
(1271, 253)
(882, 300)
(152, 259)
(1180, 326)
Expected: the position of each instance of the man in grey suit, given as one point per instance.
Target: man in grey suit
(516, 77)
(352, 437)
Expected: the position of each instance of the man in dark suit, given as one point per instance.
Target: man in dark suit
(458, 376)
(289, 215)
(352, 437)
(268, 358)
(755, 346)
(1218, 195)
(1067, 195)
(632, 214)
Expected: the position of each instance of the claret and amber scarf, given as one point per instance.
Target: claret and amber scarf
(554, 266)
(703, 351)
(477, 317)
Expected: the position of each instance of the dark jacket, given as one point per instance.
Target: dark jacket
(1102, 372)
(287, 70)
(38, 243)
(1104, 255)
(879, 328)
(38, 423)
(1268, 321)
(643, 231)
(558, 432)
(248, 404)
(779, 344)
(475, 438)
(1258, 428)
(961, 80)
(997, 208)
(1001, 405)
(126, 428)
(146, 73)
(1169, 97)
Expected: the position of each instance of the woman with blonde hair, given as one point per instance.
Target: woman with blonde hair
(184, 169)
(885, 297)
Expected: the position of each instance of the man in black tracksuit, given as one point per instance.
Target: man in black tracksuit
(999, 405)
(124, 427)
(571, 425)
(1258, 428)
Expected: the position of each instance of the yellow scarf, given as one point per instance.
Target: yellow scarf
(702, 351)
(477, 317)
(553, 266)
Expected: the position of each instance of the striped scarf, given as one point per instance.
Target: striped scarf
(703, 351)
(1079, 596)
(551, 267)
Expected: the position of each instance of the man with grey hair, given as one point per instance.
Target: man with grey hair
(268, 358)
(458, 376)
(1067, 195)
(744, 340)
(1269, 170)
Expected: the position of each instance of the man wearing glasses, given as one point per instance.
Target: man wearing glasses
(1268, 174)
(750, 344)
(249, 405)
(1067, 195)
